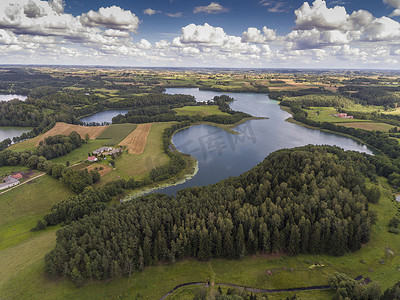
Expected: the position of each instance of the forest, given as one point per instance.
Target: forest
(165, 113)
(312, 199)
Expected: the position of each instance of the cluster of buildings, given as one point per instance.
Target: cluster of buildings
(10, 181)
(343, 116)
(103, 151)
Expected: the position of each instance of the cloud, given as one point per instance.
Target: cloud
(144, 44)
(212, 8)
(116, 33)
(203, 34)
(31, 10)
(112, 17)
(254, 35)
(150, 11)
(320, 16)
(273, 6)
(174, 15)
(396, 5)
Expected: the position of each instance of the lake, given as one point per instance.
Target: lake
(104, 116)
(200, 95)
(10, 132)
(221, 154)
(11, 97)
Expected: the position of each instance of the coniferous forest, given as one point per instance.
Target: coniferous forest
(312, 199)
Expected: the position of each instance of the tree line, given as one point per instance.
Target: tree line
(165, 113)
(312, 199)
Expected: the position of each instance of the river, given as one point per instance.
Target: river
(11, 97)
(221, 154)
(10, 132)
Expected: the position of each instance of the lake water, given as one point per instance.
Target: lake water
(11, 97)
(104, 116)
(221, 154)
(199, 94)
(10, 132)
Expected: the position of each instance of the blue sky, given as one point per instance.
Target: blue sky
(262, 33)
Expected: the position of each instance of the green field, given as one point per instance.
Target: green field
(21, 207)
(116, 133)
(325, 114)
(365, 108)
(200, 110)
(22, 275)
(24, 145)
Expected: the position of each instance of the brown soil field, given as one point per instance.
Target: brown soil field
(65, 129)
(369, 126)
(137, 139)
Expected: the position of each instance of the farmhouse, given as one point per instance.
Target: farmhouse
(344, 116)
(9, 181)
(101, 150)
(92, 158)
(113, 151)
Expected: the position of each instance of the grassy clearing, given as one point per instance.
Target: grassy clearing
(200, 110)
(26, 145)
(116, 133)
(370, 126)
(21, 207)
(324, 114)
(365, 108)
(187, 293)
(393, 111)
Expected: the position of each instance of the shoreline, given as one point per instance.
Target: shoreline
(162, 185)
(194, 167)
(293, 121)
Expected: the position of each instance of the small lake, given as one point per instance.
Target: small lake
(11, 97)
(104, 116)
(10, 132)
(200, 95)
(221, 154)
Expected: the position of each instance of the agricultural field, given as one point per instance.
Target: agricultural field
(139, 165)
(65, 129)
(369, 126)
(59, 128)
(115, 133)
(136, 141)
(200, 110)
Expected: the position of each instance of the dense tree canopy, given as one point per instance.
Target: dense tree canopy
(312, 199)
